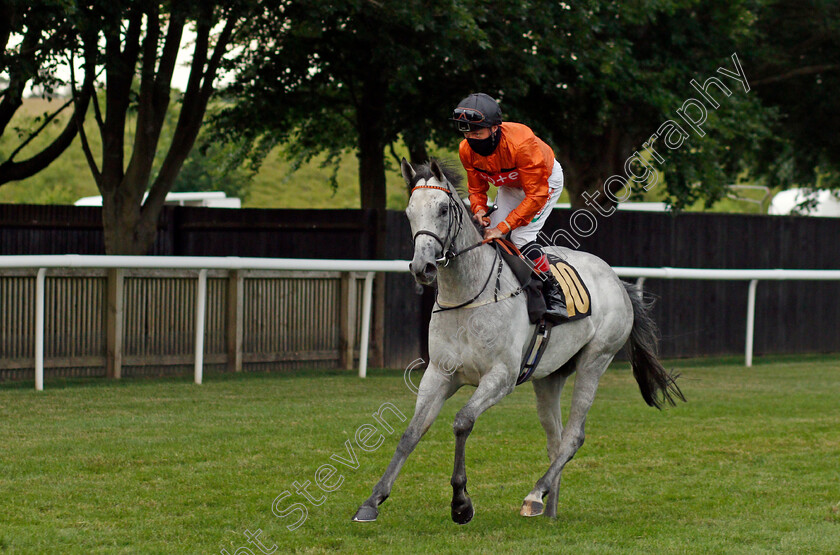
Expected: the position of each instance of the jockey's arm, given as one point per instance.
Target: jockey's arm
(535, 185)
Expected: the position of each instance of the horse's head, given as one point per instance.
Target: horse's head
(436, 215)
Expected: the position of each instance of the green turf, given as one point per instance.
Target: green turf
(749, 465)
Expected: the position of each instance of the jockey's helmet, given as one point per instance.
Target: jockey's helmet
(475, 111)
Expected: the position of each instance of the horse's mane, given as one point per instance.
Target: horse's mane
(424, 171)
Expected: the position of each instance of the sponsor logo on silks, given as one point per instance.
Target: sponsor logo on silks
(504, 177)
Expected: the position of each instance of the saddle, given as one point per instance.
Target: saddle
(574, 290)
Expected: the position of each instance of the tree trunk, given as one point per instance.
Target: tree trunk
(590, 175)
(372, 147)
(127, 230)
(373, 193)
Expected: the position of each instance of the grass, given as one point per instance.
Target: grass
(748, 465)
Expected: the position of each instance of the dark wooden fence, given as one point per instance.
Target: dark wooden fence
(695, 317)
(709, 317)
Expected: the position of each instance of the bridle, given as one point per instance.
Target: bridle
(447, 244)
(449, 252)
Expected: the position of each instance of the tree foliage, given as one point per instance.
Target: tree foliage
(139, 44)
(35, 38)
(797, 61)
(597, 79)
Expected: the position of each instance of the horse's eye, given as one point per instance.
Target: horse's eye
(444, 209)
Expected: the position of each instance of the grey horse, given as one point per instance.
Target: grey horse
(482, 339)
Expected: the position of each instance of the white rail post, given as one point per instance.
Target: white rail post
(748, 355)
(200, 308)
(365, 340)
(40, 288)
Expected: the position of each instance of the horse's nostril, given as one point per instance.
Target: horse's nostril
(429, 268)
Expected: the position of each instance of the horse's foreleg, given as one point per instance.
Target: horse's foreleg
(435, 388)
(493, 387)
(590, 370)
(547, 391)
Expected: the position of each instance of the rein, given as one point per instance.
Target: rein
(496, 298)
(449, 253)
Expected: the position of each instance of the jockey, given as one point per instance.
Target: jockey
(509, 156)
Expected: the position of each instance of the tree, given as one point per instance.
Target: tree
(631, 72)
(797, 60)
(144, 37)
(602, 95)
(596, 79)
(35, 38)
(326, 77)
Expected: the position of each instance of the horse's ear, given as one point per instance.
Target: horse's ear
(437, 171)
(408, 172)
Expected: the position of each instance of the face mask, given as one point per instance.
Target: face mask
(485, 147)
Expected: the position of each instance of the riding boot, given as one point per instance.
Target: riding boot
(555, 302)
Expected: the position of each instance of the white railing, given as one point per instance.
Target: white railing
(43, 262)
(368, 267)
(753, 276)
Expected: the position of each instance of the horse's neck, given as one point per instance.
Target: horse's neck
(460, 279)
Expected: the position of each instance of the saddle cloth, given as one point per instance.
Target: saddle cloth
(574, 289)
(577, 305)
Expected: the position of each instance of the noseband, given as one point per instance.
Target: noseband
(448, 251)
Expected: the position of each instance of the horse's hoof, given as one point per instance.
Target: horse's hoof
(532, 508)
(464, 513)
(365, 514)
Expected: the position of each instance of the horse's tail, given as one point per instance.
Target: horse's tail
(657, 385)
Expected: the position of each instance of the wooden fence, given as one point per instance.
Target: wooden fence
(255, 320)
(298, 322)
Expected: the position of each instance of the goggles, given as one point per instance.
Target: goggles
(468, 119)
(467, 115)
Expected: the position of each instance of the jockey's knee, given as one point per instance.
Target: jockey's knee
(532, 250)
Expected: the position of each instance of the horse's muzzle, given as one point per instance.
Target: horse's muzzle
(424, 272)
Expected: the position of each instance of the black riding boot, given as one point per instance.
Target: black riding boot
(555, 302)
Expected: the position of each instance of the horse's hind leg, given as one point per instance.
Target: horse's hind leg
(548, 392)
(435, 388)
(590, 367)
(492, 388)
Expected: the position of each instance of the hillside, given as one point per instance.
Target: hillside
(275, 185)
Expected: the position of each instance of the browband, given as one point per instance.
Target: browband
(431, 187)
